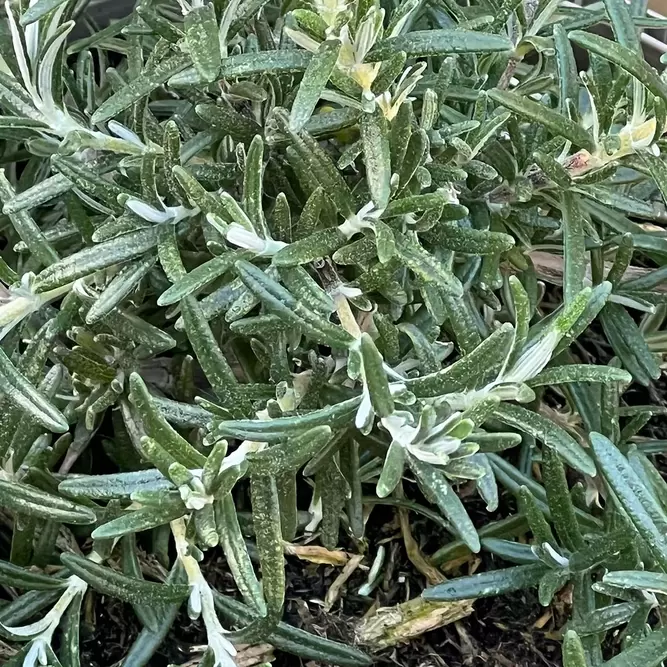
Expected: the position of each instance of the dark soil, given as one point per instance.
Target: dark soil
(502, 632)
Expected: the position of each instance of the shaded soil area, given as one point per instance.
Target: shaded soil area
(512, 631)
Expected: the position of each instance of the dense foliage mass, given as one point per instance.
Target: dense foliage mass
(365, 252)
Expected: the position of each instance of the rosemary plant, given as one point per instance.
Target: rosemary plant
(361, 252)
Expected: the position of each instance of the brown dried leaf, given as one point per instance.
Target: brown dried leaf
(317, 554)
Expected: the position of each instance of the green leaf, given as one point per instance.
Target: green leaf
(210, 356)
(579, 373)
(653, 582)
(157, 427)
(116, 485)
(13, 575)
(487, 584)
(392, 470)
(649, 474)
(319, 165)
(269, 540)
(277, 298)
(333, 492)
(551, 582)
(658, 169)
(375, 142)
(471, 371)
(567, 68)
(25, 226)
(426, 266)
(245, 65)
(375, 377)
(228, 121)
(252, 186)
(536, 521)
(620, 201)
(314, 81)
(641, 508)
(291, 455)
(32, 502)
(649, 651)
(236, 553)
(596, 302)
(512, 552)
(135, 521)
(139, 87)
(560, 503)
(306, 289)
(123, 284)
(201, 39)
(625, 58)
(600, 550)
(21, 393)
(624, 28)
(117, 585)
(603, 619)
(439, 43)
(469, 240)
(274, 430)
(547, 432)
(574, 247)
(557, 124)
(319, 244)
(436, 488)
(97, 257)
(146, 613)
(629, 343)
(573, 651)
(198, 278)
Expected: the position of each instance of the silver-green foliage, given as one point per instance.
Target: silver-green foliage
(253, 249)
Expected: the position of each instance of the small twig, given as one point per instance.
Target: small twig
(335, 588)
(432, 574)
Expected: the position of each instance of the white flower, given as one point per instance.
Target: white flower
(562, 561)
(244, 238)
(147, 212)
(390, 104)
(355, 49)
(315, 511)
(193, 494)
(41, 632)
(239, 455)
(200, 602)
(187, 7)
(342, 289)
(637, 135)
(126, 134)
(329, 11)
(302, 39)
(428, 441)
(533, 360)
(37, 654)
(41, 92)
(364, 219)
(19, 301)
(639, 131)
(363, 420)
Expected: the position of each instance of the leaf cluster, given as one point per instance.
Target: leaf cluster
(369, 253)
